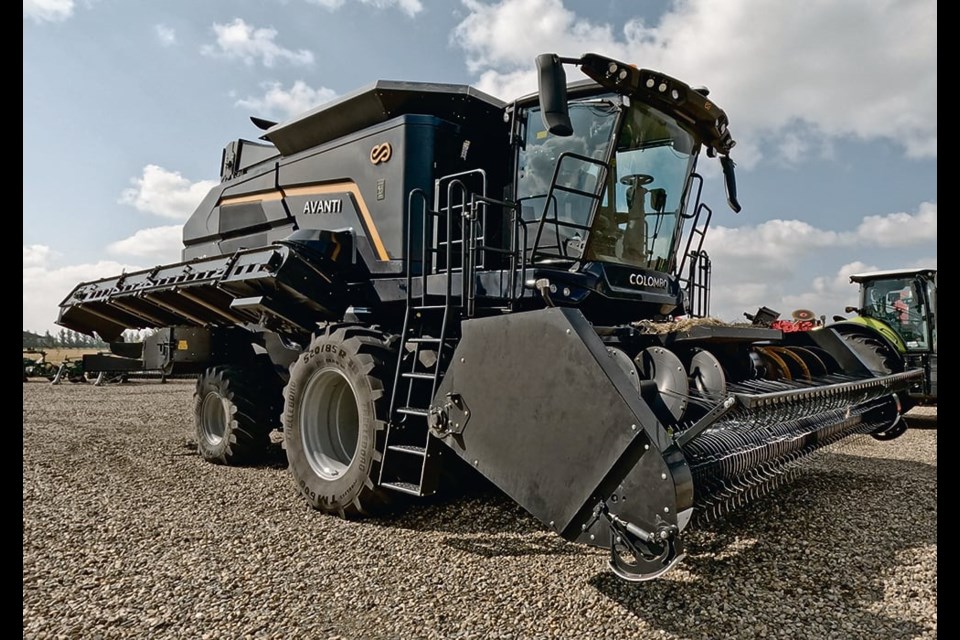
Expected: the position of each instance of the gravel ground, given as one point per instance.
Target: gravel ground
(128, 533)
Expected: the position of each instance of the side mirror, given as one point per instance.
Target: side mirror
(730, 182)
(552, 82)
(850, 310)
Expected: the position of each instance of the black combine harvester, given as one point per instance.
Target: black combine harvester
(418, 271)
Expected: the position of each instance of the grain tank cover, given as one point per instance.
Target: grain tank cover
(378, 103)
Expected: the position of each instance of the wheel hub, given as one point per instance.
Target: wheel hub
(214, 417)
(329, 423)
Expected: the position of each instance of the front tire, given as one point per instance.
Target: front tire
(334, 419)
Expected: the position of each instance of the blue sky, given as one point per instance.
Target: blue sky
(127, 106)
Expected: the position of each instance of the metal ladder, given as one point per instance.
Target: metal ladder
(695, 269)
(411, 457)
(550, 200)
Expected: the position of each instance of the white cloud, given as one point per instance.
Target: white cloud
(166, 35)
(165, 193)
(505, 37)
(159, 244)
(809, 71)
(828, 295)
(901, 229)
(48, 10)
(410, 7)
(46, 284)
(759, 262)
(285, 103)
(772, 246)
(36, 255)
(241, 41)
(779, 244)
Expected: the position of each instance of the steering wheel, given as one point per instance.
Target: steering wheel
(636, 179)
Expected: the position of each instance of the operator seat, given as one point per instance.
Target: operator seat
(635, 235)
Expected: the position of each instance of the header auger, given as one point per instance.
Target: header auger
(420, 271)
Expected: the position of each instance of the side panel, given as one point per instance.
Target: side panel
(244, 213)
(554, 422)
(362, 182)
(359, 183)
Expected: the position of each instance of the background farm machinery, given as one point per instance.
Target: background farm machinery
(36, 365)
(894, 326)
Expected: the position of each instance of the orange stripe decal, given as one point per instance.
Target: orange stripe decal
(337, 187)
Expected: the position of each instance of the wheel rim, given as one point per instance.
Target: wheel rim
(329, 423)
(214, 417)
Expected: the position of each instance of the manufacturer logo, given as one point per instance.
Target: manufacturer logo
(323, 206)
(381, 153)
(640, 280)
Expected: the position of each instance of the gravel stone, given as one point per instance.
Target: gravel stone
(128, 533)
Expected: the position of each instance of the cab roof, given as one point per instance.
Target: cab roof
(892, 273)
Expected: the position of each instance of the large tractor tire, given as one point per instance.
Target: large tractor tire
(882, 359)
(235, 409)
(877, 355)
(334, 419)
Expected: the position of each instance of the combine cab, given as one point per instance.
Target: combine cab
(417, 273)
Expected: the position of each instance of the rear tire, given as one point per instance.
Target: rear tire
(234, 413)
(334, 419)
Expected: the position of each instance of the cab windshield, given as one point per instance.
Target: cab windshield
(638, 221)
(639, 201)
(899, 304)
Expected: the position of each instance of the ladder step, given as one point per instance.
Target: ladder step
(402, 487)
(424, 340)
(412, 411)
(430, 307)
(409, 448)
(418, 376)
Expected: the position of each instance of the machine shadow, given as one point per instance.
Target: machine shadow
(829, 571)
(921, 420)
(465, 507)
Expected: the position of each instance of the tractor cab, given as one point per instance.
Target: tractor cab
(901, 306)
(904, 302)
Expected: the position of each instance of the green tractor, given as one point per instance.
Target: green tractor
(35, 365)
(896, 326)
